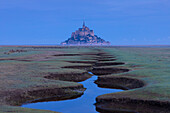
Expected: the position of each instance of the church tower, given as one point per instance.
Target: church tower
(84, 24)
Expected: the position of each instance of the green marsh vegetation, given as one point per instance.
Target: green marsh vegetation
(22, 75)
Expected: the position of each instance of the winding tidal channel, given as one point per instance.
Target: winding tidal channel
(83, 104)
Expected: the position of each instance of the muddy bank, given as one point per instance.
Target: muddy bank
(106, 57)
(127, 105)
(91, 54)
(111, 59)
(106, 71)
(74, 77)
(18, 97)
(119, 82)
(15, 59)
(85, 67)
(84, 62)
(67, 55)
(108, 63)
(105, 104)
(110, 104)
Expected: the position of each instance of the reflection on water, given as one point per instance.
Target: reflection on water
(83, 104)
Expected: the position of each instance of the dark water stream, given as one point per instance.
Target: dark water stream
(83, 104)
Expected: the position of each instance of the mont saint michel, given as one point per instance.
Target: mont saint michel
(85, 36)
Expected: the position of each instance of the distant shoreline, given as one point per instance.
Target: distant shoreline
(84, 45)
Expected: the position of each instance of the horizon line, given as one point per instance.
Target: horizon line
(54, 45)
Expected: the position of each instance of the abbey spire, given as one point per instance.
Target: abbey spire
(84, 24)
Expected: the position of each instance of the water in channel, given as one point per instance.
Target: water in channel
(83, 104)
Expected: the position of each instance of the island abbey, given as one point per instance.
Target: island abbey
(85, 36)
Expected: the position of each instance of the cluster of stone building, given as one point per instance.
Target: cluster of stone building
(85, 36)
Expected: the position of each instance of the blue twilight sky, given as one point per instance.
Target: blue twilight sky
(122, 22)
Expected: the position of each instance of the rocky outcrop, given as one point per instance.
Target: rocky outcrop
(85, 36)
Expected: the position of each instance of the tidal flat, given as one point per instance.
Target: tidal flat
(31, 74)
